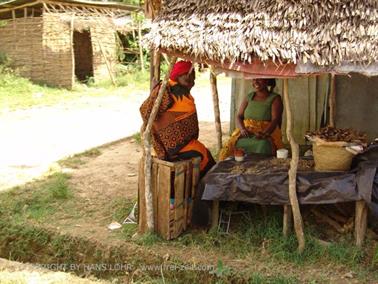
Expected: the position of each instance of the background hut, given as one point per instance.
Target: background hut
(55, 41)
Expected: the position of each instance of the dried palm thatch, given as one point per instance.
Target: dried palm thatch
(323, 33)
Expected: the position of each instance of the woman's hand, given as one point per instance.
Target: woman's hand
(244, 132)
(261, 135)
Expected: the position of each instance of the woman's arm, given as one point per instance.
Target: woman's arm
(240, 118)
(277, 109)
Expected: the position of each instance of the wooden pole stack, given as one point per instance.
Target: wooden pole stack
(140, 46)
(298, 223)
(332, 101)
(218, 125)
(147, 149)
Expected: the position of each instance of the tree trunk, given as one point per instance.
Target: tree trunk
(140, 46)
(332, 101)
(147, 150)
(298, 223)
(218, 125)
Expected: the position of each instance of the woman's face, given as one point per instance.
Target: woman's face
(260, 84)
(187, 80)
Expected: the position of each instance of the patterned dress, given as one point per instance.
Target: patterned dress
(175, 129)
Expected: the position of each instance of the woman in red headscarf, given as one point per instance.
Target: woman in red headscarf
(175, 130)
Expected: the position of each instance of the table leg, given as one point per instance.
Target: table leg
(287, 220)
(360, 222)
(215, 214)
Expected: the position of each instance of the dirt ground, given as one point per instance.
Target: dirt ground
(114, 172)
(15, 272)
(32, 140)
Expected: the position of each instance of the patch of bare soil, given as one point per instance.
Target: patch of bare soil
(113, 174)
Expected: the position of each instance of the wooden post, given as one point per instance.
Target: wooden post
(140, 46)
(152, 69)
(215, 214)
(157, 70)
(298, 223)
(72, 49)
(147, 150)
(287, 220)
(107, 63)
(360, 222)
(332, 101)
(218, 125)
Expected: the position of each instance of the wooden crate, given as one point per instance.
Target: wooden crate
(172, 182)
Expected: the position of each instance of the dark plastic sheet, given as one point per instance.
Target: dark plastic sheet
(271, 186)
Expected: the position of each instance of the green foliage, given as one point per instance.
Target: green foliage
(137, 138)
(3, 24)
(221, 270)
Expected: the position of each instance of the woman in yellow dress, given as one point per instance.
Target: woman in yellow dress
(258, 120)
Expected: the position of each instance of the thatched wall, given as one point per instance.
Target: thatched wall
(42, 48)
(21, 40)
(57, 51)
(357, 103)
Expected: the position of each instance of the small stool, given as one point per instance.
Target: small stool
(225, 218)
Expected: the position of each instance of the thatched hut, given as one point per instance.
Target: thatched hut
(55, 41)
(271, 38)
(283, 39)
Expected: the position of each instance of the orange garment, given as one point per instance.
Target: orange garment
(252, 126)
(175, 129)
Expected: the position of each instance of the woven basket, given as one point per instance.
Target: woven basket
(330, 157)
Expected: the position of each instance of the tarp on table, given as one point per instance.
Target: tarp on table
(270, 186)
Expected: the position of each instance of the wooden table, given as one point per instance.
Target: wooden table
(219, 179)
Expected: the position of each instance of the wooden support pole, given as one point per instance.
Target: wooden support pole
(298, 223)
(215, 214)
(107, 63)
(287, 220)
(218, 125)
(140, 46)
(332, 101)
(152, 69)
(72, 49)
(147, 150)
(360, 222)
(157, 59)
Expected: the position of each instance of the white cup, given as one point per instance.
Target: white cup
(282, 153)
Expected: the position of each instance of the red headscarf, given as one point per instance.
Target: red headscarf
(180, 68)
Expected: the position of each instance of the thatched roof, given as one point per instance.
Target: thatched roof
(83, 13)
(85, 3)
(320, 32)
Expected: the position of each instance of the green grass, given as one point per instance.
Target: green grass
(262, 238)
(18, 93)
(77, 160)
(36, 202)
(137, 138)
